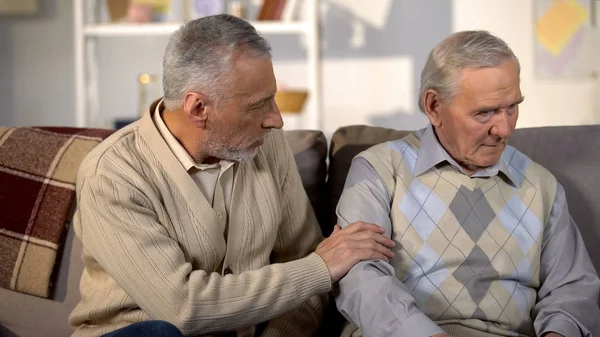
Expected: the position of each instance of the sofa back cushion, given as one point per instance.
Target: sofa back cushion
(310, 153)
(571, 153)
(346, 143)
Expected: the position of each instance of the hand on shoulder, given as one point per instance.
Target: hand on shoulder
(358, 241)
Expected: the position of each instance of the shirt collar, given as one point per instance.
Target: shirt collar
(178, 150)
(431, 153)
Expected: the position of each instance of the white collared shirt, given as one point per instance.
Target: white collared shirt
(215, 181)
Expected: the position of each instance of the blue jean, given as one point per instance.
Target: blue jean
(147, 329)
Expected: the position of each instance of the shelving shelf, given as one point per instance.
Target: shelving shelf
(165, 29)
(87, 32)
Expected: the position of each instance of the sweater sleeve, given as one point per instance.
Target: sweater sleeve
(298, 236)
(370, 295)
(121, 231)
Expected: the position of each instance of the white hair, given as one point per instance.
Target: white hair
(467, 49)
(199, 56)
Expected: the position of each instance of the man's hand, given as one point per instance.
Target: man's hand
(359, 241)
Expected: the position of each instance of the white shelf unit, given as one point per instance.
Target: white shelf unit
(86, 66)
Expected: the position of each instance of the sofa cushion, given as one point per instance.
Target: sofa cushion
(310, 153)
(571, 153)
(38, 169)
(30, 316)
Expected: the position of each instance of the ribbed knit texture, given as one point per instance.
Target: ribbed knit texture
(153, 248)
(457, 330)
(468, 248)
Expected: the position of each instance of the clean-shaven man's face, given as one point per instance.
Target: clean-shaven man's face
(476, 123)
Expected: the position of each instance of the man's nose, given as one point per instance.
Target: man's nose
(502, 125)
(273, 119)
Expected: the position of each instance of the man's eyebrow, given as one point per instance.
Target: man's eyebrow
(260, 101)
(519, 101)
(496, 107)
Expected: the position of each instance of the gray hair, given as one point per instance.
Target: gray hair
(199, 56)
(467, 49)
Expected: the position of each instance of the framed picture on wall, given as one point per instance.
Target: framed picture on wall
(566, 39)
(18, 7)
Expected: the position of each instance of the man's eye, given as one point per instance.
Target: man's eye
(484, 116)
(267, 104)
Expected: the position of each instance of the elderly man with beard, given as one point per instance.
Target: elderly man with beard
(485, 244)
(194, 220)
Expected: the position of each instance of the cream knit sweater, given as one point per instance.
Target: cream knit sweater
(153, 248)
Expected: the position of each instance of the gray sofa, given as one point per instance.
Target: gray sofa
(571, 153)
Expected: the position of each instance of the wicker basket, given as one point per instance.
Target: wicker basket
(290, 101)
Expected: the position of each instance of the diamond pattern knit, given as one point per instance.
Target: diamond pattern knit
(469, 248)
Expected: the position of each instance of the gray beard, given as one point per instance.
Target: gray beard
(239, 155)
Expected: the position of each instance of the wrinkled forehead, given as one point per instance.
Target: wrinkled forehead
(252, 76)
(500, 85)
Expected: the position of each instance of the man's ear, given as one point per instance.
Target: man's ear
(432, 102)
(194, 107)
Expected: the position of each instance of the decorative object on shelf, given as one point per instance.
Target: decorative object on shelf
(117, 10)
(271, 10)
(18, 7)
(237, 8)
(177, 11)
(148, 90)
(290, 10)
(148, 10)
(141, 11)
(160, 9)
(200, 8)
(290, 101)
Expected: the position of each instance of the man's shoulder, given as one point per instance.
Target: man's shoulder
(393, 150)
(117, 148)
(521, 165)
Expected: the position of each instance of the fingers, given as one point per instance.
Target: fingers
(363, 226)
(374, 246)
(359, 241)
(370, 254)
(379, 238)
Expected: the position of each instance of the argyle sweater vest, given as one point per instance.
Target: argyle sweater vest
(468, 249)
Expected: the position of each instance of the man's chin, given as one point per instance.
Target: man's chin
(487, 161)
(242, 156)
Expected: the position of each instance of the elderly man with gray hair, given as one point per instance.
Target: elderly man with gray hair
(194, 220)
(485, 242)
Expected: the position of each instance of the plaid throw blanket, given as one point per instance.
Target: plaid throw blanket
(38, 168)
